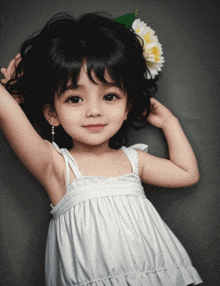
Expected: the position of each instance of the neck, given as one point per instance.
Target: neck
(91, 149)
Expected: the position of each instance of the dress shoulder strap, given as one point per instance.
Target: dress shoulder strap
(61, 151)
(69, 161)
(133, 155)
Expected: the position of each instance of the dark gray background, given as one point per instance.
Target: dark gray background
(189, 87)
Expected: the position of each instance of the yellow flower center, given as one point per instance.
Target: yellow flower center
(147, 37)
(156, 53)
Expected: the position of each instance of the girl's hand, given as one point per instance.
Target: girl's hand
(158, 114)
(9, 73)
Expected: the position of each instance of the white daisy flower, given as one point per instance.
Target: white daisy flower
(152, 48)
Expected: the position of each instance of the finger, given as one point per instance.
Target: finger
(154, 103)
(3, 81)
(152, 100)
(11, 67)
(18, 56)
(3, 70)
(17, 59)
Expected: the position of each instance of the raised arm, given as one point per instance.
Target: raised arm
(32, 150)
(181, 169)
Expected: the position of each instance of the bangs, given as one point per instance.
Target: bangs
(98, 48)
(97, 73)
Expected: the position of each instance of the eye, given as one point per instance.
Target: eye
(74, 99)
(110, 97)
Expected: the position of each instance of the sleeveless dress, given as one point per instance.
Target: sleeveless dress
(106, 232)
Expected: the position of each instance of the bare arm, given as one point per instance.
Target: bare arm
(32, 150)
(181, 169)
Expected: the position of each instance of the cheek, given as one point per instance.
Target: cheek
(120, 113)
(67, 115)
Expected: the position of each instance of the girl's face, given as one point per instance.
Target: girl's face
(92, 113)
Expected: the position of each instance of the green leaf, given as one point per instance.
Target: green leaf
(126, 20)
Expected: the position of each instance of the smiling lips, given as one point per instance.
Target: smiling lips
(95, 127)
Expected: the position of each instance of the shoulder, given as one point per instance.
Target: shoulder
(138, 157)
(138, 152)
(142, 159)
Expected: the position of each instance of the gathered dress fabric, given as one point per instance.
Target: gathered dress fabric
(104, 232)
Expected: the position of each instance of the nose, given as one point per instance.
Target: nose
(94, 109)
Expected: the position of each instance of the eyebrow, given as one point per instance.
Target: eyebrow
(105, 84)
(111, 84)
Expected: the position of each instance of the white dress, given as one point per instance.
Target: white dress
(106, 232)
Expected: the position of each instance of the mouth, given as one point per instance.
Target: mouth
(95, 127)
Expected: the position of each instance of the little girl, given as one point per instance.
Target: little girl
(85, 78)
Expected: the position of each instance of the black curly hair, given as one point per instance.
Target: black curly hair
(53, 56)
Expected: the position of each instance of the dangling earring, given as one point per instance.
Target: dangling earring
(53, 133)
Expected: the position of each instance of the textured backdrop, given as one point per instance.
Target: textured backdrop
(189, 86)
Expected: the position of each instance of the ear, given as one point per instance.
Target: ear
(51, 115)
(128, 108)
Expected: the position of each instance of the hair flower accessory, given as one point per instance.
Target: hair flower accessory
(152, 49)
